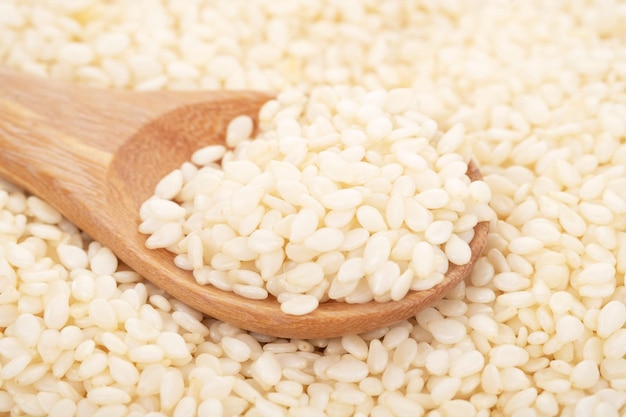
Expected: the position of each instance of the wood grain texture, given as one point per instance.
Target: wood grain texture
(96, 155)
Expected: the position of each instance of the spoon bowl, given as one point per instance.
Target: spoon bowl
(96, 156)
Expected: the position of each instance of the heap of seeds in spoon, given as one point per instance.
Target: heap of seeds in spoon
(342, 194)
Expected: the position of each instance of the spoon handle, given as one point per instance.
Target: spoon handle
(49, 142)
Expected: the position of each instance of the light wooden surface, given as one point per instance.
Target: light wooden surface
(96, 155)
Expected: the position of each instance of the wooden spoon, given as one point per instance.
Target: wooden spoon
(96, 156)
